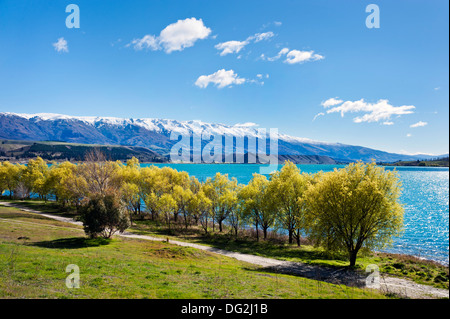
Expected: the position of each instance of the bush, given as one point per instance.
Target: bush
(103, 216)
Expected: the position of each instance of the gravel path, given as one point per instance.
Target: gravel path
(399, 286)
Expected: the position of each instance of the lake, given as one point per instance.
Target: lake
(425, 197)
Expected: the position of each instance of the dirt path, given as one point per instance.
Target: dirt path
(399, 286)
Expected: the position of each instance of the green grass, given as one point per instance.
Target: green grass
(34, 253)
(421, 271)
(49, 207)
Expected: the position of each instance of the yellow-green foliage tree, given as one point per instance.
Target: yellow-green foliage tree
(200, 208)
(355, 207)
(230, 202)
(3, 176)
(166, 205)
(67, 184)
(256, 203)
(35, 175)
(127, 180)
(215, 189)
(285, 187)
(10, 176)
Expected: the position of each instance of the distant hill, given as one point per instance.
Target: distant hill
(438, 162)
(155, 135)
(60, 151)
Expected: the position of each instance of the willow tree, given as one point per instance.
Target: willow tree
(216, 188)
(355, 207)
(200, 207)
(257, 204)
(35, 175)
(285, 188)
(10, 176)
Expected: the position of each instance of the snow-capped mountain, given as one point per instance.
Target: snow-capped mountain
(156, 135)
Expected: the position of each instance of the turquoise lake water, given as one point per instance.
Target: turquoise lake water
(425, 197)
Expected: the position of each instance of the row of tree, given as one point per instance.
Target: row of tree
(344, 210)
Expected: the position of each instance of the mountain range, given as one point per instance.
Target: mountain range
(155, 134)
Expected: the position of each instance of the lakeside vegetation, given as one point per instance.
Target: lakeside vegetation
(437, 162)
(272, 217)
(347, 211)
(35, 251)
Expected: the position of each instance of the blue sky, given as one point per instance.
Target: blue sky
(309, 68)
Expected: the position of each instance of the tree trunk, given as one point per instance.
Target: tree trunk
(220, 225)
(352, 255)
(298, 237)
(290, 236)
(257, 232)
(265, 232)
(186, 224)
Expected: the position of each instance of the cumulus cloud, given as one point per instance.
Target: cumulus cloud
(374, 112)
(175, 37)
(61, 45)
(221, 79)
(236, 46)
(418, 124)
(295, 56)
(388, 123)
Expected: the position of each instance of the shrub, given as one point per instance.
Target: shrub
(103, 216)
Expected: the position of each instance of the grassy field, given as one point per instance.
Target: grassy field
(34, 253)
(421, 271)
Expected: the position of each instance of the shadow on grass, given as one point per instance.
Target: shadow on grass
(48, 207)
(330, 274)
(226, 241)
(72, 243)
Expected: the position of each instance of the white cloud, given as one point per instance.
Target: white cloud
(437, 88)
(262, 36)
(374, 112)
(388, 123)
(331, 102)
(418, 124)
(230, 47)
(317, 115)
(408, 135)
(61, 45)
(175, 37)
(275, 23)
(183, 34)
(147, 42)
(295, 56)
(236, 46)
(221, 79)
